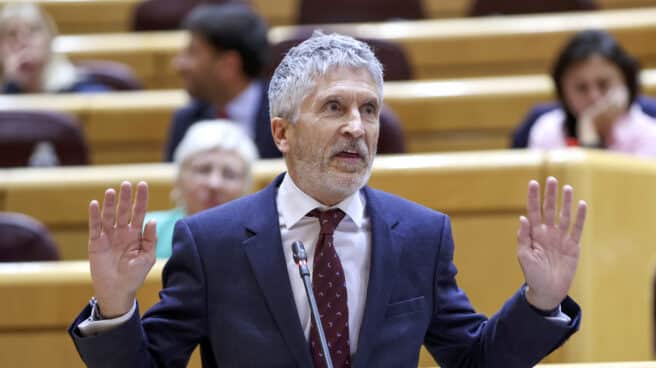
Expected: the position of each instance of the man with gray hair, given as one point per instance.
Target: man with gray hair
(382, 267)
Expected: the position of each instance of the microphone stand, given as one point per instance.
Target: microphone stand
(300, 258)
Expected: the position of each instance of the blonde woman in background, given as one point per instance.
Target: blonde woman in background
(29, 64)
(214, 161)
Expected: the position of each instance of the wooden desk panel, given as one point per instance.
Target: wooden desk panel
(125, 127)
(87, 16)
(150, 54)
(502, 45)
(459, 8)
(62, 202)
(451, 48)
(98, 16)
(449, 115)
(94, 16)
(618, 257)
(437, 116)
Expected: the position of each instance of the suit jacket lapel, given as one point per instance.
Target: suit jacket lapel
(264, 251)
(384, 264)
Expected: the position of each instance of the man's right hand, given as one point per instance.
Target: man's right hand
(120, 254)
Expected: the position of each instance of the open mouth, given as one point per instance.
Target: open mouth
(349, 154)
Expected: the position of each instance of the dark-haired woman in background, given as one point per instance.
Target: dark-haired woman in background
(597, 86)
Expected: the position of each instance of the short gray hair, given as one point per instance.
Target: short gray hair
(296, 75)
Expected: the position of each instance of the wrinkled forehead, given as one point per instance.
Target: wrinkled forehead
(342, 76)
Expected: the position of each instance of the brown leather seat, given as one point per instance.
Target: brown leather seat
(393, 57)
(22, 239)
(491, 7)
(391, 139)
(154, 15)
(21, 131)
(115, 75)
(344, 11)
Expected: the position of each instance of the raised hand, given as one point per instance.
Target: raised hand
(548, 251)
(120, 254)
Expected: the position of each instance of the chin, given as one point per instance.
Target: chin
(347, 182)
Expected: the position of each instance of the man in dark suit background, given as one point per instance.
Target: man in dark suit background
(221, 66)
(383, 273)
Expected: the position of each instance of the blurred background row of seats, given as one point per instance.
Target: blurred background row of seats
(119, 77)
(120, 16)
(454, 48)
(167, 14)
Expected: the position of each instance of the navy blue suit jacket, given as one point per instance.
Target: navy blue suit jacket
(226, 287)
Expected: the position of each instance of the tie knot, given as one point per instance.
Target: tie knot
(328, 219)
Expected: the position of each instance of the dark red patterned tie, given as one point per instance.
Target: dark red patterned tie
(222, 113)
(329, 287)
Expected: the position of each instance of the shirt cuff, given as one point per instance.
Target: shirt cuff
(555, 315)
(559, 316)
(93, 326)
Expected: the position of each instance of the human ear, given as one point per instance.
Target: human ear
(279, 130)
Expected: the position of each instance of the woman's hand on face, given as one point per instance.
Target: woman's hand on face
(607, 111)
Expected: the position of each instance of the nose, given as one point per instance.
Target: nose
(595, 94)
(215, 180)
(354, 126)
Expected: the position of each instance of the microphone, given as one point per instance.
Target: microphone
(300, 258)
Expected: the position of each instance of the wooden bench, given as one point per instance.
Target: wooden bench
(438, 115)
(98, 16)
(93, 16)
(87, 16)
(451, 48)
(120, 127)
(459, 8)
(484, 193)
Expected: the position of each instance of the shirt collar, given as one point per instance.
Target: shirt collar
(250, 97)
(294, 204)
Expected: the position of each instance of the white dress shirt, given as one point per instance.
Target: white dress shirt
(352, 240)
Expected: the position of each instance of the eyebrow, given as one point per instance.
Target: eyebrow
(331, 97)
(335, 97)
(373, 101)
